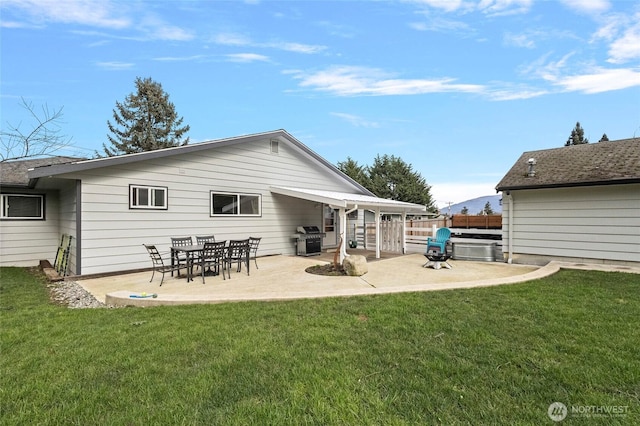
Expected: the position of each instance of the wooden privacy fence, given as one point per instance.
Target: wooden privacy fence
(416, 234)
(416, 231)
(490, 221)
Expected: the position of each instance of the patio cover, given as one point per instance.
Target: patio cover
(346, 202)
(349, 201)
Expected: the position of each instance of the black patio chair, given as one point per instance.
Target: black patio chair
(238, 252)
(214, 254)
(254, 242)
(205, 239)
(160, 264)
(179, 259)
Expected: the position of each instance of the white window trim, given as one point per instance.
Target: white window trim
(151, 190)
(3, 207)
(237, 195)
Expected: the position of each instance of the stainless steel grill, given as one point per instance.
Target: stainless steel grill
(309, 240)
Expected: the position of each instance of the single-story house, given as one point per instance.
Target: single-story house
(263, 185)
(575, 203)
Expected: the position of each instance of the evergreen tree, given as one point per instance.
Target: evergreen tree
(390, 177)
(577, 136)
(465, 210)
(146, 121)
(487, 208)
(604, 138)
(355, 171)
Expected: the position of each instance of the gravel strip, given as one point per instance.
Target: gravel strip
(72, 294)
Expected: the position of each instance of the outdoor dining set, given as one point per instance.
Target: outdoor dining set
(211, 256)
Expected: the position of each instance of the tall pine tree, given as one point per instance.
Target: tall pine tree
(146, 121)
(351, 168)
(577, 136)
(390, 177)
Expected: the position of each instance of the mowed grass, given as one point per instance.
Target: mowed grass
(497, 355)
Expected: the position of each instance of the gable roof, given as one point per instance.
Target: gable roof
(601, 163)
(15, 173)
(281, 135)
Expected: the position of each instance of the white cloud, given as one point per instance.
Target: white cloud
(611, 27)
(512, 93)
(232, 39)
(103, 14)
(179, 58)
(168, 32)
(505, 7)
(247, 57)
(446, 5)
(86, 12)
(519, 40)
(296, 47)
(235, 39)
(362, 81)
(600, 80)
(356, 120)
(622, 31)
(115, 66)
(547, 70)
(14, 24)
(587, 6)
(443, 25)
(627, 47)
(489, 7)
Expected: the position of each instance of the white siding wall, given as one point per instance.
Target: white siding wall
(68, 219)
(26, 242)
(112, 235)
(599, 223)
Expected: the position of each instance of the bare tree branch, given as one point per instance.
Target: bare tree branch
(43, 138)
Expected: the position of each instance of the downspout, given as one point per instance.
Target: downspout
(78, 270)
(510, 246)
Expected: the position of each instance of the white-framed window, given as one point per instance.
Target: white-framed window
(148, 197)
(235, 204)
(22, 206)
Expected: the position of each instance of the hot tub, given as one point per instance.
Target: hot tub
(480, 251)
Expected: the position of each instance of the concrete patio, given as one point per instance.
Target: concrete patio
(284, 278)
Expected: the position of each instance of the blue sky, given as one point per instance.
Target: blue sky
(458, 89)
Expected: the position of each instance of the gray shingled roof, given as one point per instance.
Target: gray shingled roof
(599, 163)
(15, 173)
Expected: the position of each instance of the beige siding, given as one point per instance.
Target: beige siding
(599, 223)
(26, 242)
(112, 234)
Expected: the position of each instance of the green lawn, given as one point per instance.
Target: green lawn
(497, 355)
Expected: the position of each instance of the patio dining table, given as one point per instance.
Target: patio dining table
(196, 251)
(190, 251)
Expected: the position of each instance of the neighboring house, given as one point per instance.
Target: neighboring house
(263, 185)
(576, 203)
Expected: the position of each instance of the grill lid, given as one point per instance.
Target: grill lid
(308, 229)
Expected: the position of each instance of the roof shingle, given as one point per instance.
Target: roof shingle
(599, 163)
(15, 173)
